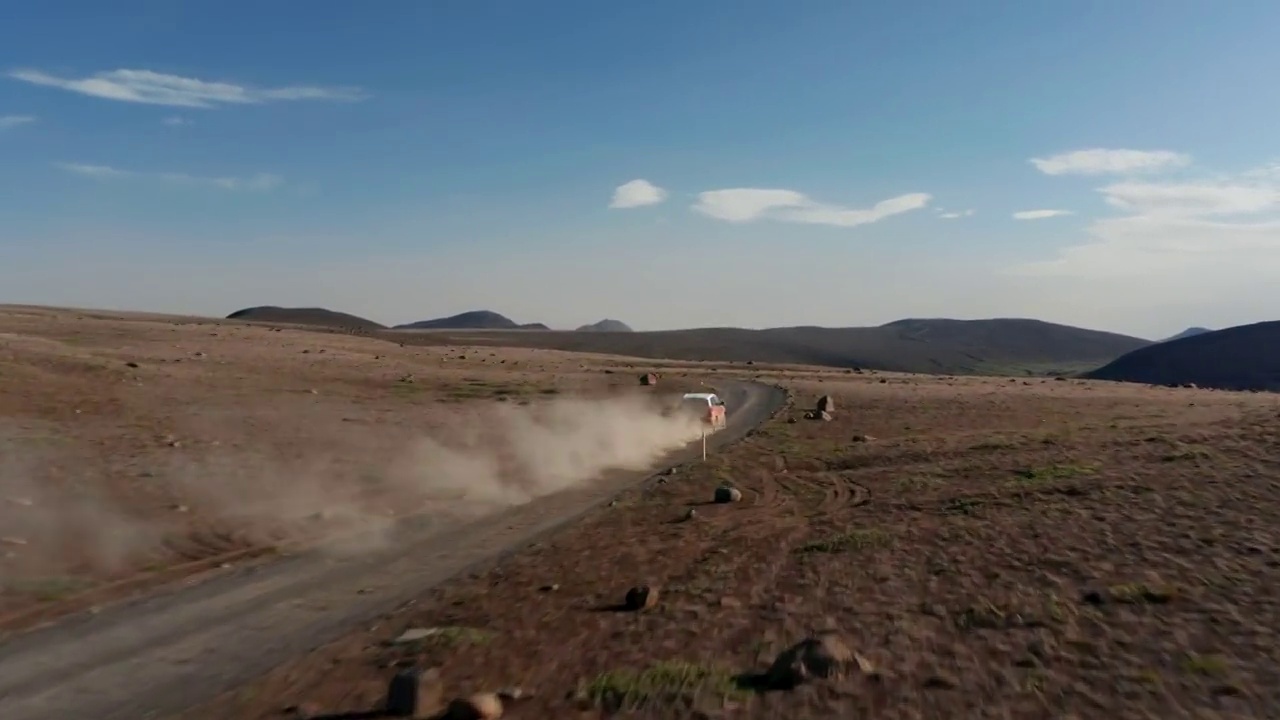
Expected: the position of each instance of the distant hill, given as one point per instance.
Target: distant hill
(1189, 332)
(473, 320)
(1001, 346)
(318, 317)
(606, 325)
(534, 326)
(1245, 357)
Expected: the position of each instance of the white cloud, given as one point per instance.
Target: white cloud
(260, 182)
(153, 88)
(93, 171)
(742, 205)
(1192, 199)
(954, 215)
(637, 193)
(1098, 161)
(1193, 244)
(13, 121)
(175, 121)
(1039, 214)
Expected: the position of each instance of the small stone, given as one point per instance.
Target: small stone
(414, 692)
(690, 514)
(414, 635)
(725, 494)
(304, 711)
(791, 421)
(939, 682)
(549, 588)
(131, 364)
(822, 656)
(641, 597)
(180, 508)
(1093, 597)
(481, 706)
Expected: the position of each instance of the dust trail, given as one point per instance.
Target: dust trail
(488, 457)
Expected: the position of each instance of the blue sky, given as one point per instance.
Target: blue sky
(670, 164)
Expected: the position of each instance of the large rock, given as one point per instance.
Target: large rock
(481, 706)
(826, 404)
(414, 692)
(726, 494)
(649, 379)
(641, 597)
(823, 656)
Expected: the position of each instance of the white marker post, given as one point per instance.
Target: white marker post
(704, 444)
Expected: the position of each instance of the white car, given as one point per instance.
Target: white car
(706, 406)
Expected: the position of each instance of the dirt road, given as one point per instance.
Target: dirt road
(157, 655)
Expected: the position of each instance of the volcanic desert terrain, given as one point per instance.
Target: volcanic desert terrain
(213, 519)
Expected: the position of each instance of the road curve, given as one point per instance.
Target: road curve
(160, 654)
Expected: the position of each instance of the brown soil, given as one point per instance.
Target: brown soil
(138, 449)
(988, 548)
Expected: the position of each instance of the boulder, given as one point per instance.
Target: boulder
(826, 404)
(822, 656)
(726, 494)
(414, 692)
(641, 597)
(649, 379)
(481, 706)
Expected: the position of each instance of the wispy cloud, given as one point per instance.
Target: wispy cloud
(93, 171)
(637, 193)
(153, 88)
(1039, 214)
(1193, 199)
(1098, 161)
(954, 214)
(12, 121)
(1201, 239)
(260, 182)
(740, 205)
(175, 121)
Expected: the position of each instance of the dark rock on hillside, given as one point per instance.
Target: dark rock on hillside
(1189, 332)
(945, 347)
(606, 325)
(473, 320)
(1245, 357)
(316, 317)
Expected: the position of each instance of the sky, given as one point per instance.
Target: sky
(1108, 164)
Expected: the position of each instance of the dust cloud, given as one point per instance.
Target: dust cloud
(346, 498)
(486, 458)
(56, 521)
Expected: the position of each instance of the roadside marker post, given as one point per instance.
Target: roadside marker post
(704, 444)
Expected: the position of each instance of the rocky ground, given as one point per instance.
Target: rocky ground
(949, 547)
(136, 449)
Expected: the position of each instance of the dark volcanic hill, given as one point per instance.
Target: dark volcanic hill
(931, 346)
(606, 325)
(1245, 357)
(473, 320)
(1189, 332)
(318, 317)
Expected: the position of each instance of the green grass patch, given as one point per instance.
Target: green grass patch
(1207, 665)
(1188, 453)
(1054, 472)
(47, 589)
(853, 540)
(1139, 594)
(664, 682)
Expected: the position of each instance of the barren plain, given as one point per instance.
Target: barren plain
(987, 547)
